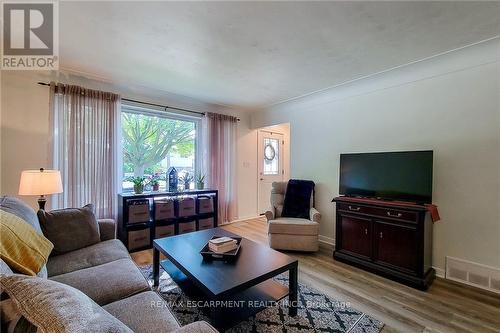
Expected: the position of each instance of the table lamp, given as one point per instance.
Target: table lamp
(40, 182)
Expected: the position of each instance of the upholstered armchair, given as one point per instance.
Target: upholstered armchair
(287, 233)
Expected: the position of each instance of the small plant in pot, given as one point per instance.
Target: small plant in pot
(186, 180)
(138, 184)
(155, 182)
(200, 182)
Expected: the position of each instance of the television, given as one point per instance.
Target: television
(405, 176)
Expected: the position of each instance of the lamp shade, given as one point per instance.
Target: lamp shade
(40, 182)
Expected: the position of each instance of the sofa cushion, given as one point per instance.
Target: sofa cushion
(4, 268)
(21, 209)
(54, 307)
(97, 254)
(27, 214)
(293, 226)
(70, 229)
(145, 312)
(22, 248)
(108, 282)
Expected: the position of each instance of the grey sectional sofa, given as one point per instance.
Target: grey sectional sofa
(106, 273)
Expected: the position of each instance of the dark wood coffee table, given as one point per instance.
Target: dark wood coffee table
(247, 280)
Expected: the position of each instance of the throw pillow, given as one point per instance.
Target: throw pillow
(70, 229)
(22, 248)
(55, 307)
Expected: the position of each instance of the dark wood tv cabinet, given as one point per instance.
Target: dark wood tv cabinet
(390, 239)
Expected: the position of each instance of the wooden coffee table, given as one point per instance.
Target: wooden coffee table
(248, 280)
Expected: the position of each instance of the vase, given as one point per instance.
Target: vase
(156, 187)
(200, 185)
(138, 188)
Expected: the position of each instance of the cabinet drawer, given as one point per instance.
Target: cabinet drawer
(138, 239)
(164, 209)
(186, 227)
(164, 231)
(206, 223)
(138, 213)
(186, 207)
(205, 205)
(386, 213)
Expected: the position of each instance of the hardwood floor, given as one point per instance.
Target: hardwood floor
(445, 307)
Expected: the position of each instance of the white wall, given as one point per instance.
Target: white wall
(449, 104)
(25, 127)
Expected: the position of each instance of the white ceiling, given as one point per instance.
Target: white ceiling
(254, 54)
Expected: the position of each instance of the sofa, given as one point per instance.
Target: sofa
(106, 273)
(288, 233)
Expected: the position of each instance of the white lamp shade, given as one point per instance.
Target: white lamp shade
(37, 182)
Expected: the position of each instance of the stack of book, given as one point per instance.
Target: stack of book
(222, 244)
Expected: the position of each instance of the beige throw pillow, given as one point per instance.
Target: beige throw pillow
(70, 229)
(55, 307)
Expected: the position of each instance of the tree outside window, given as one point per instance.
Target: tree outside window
(152, 144)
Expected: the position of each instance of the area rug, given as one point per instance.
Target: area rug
(316, 311)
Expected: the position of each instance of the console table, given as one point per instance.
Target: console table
(390, 239)
(147, 229)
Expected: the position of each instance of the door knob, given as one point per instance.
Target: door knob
(381, 235)
(366, 231)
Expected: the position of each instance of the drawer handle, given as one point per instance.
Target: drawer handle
(354, 209)
(394, 215)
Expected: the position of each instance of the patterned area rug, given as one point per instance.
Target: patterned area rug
(316, 311)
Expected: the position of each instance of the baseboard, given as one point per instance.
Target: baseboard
(439, 272)
(327, 240)
(244, 218)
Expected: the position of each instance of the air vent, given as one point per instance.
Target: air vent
(474, 274)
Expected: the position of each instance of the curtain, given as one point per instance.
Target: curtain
(219, 161)
(85, 130)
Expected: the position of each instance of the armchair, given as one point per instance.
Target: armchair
(288, 233)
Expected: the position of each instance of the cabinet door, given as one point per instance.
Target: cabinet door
(355, 235)
(395, 245)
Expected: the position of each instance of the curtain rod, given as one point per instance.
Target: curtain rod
(147, 103)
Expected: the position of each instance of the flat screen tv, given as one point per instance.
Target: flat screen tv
(405, 176)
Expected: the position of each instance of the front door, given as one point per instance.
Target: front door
(270, 159)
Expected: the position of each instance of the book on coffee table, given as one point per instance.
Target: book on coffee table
(221, 248)
(222, 244)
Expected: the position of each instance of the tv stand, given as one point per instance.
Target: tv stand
(390, 238)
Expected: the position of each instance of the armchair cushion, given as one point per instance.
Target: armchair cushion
(107, 229)
(70, 229)
(293, 226)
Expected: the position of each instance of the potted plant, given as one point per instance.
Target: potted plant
(186, 180)
(138, 184)
(200, 182)
(155, 182)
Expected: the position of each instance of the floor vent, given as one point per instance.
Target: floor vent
(477, 275)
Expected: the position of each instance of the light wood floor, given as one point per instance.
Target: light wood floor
(445, 307)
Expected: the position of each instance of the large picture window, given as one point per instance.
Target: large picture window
(153, 141)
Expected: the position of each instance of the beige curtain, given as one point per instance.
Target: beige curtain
(85, 129)
(219, 161)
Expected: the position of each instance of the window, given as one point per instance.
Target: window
(153, 141)
(271, 156)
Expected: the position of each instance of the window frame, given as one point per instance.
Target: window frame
(156, 111)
